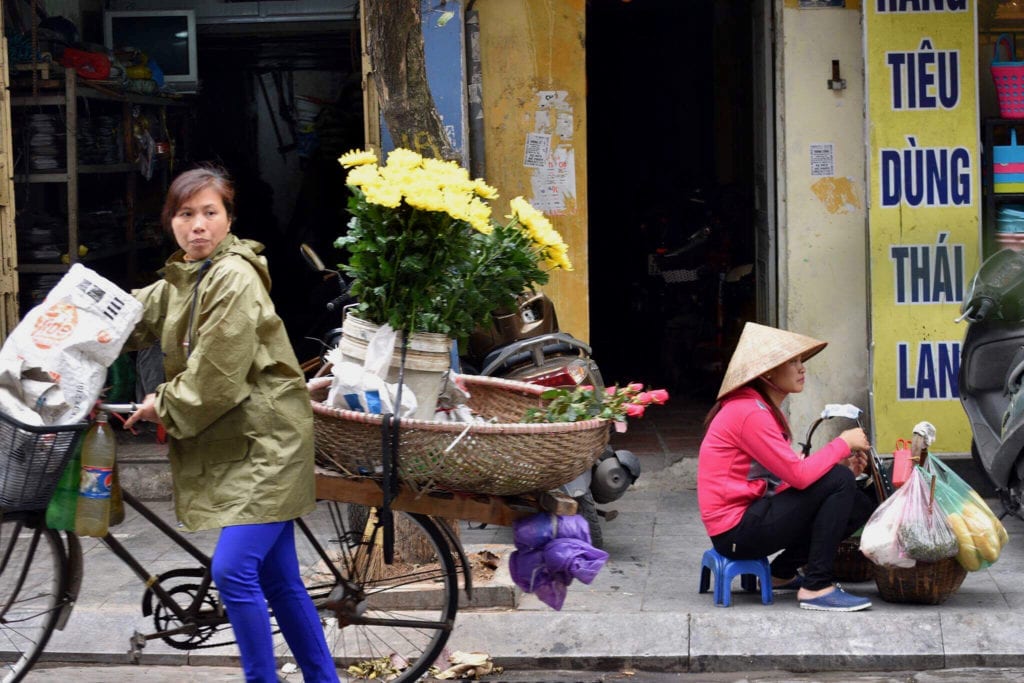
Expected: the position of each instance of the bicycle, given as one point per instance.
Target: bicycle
(370, 614)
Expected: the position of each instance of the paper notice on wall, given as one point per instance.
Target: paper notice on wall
(553, 184)
(538, 146)
(823, 159)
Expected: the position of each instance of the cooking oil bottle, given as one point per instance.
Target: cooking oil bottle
(99, 451)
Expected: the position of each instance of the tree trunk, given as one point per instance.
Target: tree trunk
(394, 38)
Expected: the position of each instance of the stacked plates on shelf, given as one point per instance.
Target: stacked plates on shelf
(45, 142)
(98, 140)
(41, 237)
(36, 287)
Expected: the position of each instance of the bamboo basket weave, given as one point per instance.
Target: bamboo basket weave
(926, 583)
(502, 458)
(850, 565)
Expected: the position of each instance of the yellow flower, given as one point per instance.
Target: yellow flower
(483, 190)
(357, 157)
(383, 194)
(404, 158)
(361, 176)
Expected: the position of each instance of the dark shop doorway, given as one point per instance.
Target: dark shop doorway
(670, 168)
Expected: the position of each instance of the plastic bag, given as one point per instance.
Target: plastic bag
(362, 387)
(879, 541)
(551, 551)
(980, 534)
(924, 533)
(54, 363)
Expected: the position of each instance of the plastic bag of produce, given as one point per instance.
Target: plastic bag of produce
(924, 533)
(879, 541)
(980, 534)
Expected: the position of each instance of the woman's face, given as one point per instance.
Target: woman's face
(788, 377)
(200, 224)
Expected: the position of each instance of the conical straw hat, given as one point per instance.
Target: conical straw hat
(762, 348)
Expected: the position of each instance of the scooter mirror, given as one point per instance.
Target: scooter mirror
(312, 258)
(841, 410)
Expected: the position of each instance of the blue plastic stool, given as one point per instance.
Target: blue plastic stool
(725, 570)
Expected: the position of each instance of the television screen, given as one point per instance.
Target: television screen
(163, 39)
(167, 37)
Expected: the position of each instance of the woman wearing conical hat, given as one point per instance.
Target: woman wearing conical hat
(757, 496)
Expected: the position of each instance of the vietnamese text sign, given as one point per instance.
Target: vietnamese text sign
(924, 172)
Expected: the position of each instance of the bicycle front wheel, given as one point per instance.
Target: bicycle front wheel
(380, 620)
(33, 583)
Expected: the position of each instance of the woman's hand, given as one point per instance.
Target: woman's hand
(147, 412)
(856, 439)
(857, 462)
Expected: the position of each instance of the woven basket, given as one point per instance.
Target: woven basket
(504, 458)
(926, 583)
(850, 565)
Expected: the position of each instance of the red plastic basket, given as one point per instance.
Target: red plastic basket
(1009, 80)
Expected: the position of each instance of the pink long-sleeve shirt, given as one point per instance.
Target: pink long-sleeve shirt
(742, 442)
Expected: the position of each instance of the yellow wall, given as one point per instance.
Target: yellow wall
(822, 219)
(534, 85)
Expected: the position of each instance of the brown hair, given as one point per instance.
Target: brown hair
(757, 385)
(189, 183)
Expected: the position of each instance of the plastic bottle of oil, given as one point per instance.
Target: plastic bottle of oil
(99, 451)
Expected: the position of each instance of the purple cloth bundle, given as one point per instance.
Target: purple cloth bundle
(551, 551)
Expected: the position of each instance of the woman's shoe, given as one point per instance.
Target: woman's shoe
(795, 584)
(836, 601)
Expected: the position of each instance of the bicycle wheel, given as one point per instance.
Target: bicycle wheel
(388, 619)
(33, 583)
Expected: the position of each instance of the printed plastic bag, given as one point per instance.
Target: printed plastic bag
(879, 541)
(924, 533)
(362, 387)
(54, 363)
(979, 532)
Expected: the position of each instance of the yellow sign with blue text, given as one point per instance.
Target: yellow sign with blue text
(924, 171)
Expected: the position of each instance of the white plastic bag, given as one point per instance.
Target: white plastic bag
(362, 387)
(879, 541)
(54, 363)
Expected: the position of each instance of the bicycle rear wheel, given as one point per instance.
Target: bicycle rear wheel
(384, 618)
(33, 584)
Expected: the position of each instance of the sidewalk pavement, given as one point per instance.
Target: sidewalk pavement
(643, 610)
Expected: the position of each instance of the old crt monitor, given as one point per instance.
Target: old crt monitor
(168, 37)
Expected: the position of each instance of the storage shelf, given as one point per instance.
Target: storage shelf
(42, 268)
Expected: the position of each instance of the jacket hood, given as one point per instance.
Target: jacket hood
(250, 250)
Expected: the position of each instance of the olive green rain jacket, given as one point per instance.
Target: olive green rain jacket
(236, 408)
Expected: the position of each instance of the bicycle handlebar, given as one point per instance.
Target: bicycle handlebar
(118, 407)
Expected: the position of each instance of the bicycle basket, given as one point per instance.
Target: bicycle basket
(503, 458)
(32, 459)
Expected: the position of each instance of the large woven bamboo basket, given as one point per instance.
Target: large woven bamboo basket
(926, 583)
(850, 565)
(503, 458)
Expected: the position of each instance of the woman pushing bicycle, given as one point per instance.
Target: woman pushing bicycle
(238, 420)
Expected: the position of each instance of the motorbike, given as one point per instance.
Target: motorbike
(325, 330)
(526, 344)
(992, 372)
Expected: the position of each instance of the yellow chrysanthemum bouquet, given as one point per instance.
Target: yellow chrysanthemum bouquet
(426, 254)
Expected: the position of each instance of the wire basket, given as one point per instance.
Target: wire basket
(926, 583)
(32, 458)
(502, 458)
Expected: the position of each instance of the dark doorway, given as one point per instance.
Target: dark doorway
(669, 117)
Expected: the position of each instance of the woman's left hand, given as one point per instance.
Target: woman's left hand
(857, 462)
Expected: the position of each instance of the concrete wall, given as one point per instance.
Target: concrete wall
(822, 220)
(534, 85)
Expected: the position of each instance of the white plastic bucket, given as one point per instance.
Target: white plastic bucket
(427, 361)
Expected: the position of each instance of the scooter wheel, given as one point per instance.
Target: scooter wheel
(586, 507)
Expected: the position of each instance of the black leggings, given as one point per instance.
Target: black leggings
(807, 525)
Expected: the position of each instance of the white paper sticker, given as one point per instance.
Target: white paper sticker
(823, 159)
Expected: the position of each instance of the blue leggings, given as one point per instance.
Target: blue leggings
(256, 564)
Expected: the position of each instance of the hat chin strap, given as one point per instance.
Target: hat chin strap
(773, 385)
